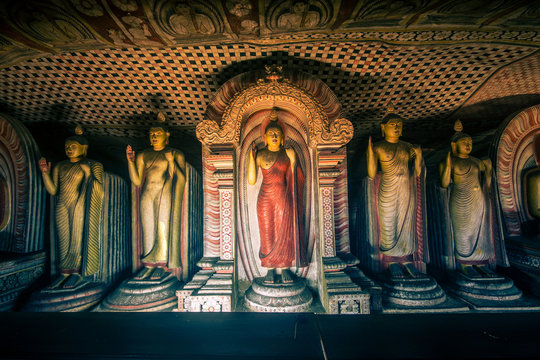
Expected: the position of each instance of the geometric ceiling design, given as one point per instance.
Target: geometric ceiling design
(111, 65)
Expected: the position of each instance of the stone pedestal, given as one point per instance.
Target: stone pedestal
(497, 293)
(210, 290)
(83, 297)
(278, 297)
(153, 293)
(418, 294)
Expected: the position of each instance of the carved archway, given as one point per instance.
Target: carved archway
(514, 151)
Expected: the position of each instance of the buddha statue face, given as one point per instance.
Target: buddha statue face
(462, 146)
(273, 137)
(74, 150)
(159, 138)
(392, 129)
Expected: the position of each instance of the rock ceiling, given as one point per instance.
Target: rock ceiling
(111, 65)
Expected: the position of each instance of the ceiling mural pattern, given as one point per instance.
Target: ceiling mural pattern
(33, 28)
(111, 65)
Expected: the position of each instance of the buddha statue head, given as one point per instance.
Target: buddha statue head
(76, 146)
(460, 142)
(159, 133)
(392, 125)
(273, 133)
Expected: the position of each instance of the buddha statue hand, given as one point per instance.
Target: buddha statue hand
(86, 169)
(130, 154)
(170, 159)
(44, 166)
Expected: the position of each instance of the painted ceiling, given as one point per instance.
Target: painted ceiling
(112, 65)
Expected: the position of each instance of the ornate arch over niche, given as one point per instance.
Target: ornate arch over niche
(304, 96)
(514, 151)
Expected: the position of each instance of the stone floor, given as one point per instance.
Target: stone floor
(267, 336)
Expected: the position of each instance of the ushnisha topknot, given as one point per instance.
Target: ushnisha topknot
(78, 138)
(459, 134)
(391, 114)
(273, 124)
(160, 122)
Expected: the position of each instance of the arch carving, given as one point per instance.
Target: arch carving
(514, 151)
(263, 95)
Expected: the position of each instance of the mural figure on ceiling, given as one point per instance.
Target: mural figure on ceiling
(57, 30)
(299, 17)
(77, 184)
(139, 31)
(396, 196)
(279, 204)
(159, 175)
(241, 9)
(186, 22)
(469, 205)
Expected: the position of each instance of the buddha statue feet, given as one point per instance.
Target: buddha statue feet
(270, 277)
(407, 270)
(396, 271)
(144, 273)
(470, 271)
(287, 276)
(485, 271)
(73, 281)
(58, 282)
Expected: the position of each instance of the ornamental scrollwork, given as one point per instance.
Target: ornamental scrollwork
(320, 129)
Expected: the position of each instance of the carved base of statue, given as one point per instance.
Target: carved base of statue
(152, 289)
(67, 294)
(291, 295)
(489, 291)
(405, 288)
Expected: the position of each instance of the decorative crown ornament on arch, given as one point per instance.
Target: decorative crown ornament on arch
(296, 92)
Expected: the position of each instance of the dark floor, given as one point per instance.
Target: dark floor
(268, 336)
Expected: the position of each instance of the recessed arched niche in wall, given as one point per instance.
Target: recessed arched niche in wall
(517, 176)
(5, 209)
(514, 151)
(22, 211)
(313, 127)
(22, 192)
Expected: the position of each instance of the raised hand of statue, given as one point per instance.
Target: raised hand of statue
(44, 166)
(130, 154)
(370, 146)
(253, 151)
(448, 160)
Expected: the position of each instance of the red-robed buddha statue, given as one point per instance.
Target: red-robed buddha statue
(279, 204)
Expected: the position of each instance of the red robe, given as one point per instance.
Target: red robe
(280, 214)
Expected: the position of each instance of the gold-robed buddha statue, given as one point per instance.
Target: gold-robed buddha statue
(159, 175)
(279, 204)
(77, 184)
(469, 205)
(396, 196)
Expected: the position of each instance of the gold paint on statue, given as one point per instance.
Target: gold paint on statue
(78, 185)
(280, 165)
(468, 205)
(160, 171)
(396, 202)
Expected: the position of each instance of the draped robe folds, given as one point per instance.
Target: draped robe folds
(469, 211)
(159, 211)
(280, 215)
(77, 217)
(396, 202)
